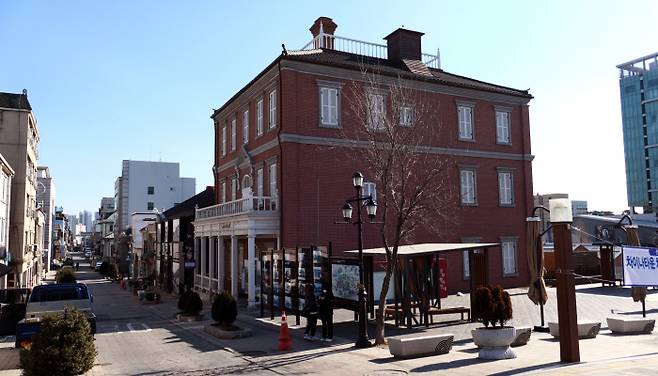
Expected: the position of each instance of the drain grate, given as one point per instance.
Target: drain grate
(387, 372)
(252, 353)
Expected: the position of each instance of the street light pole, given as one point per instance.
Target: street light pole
(362, 340)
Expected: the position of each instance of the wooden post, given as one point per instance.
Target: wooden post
(566, 294)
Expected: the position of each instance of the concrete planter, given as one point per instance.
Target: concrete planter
(495, 343)
(522, 337)
(218, 332)
(188, 318)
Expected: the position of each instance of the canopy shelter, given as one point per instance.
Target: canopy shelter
(418, 282)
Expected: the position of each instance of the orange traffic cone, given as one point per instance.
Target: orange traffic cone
(285, 343)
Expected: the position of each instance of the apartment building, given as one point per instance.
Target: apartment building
(19, 141)
(46, 201)
(6, 174)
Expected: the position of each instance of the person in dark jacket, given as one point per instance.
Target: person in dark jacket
(327, 314)
(311, 311)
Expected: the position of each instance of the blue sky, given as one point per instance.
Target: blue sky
(114, 80)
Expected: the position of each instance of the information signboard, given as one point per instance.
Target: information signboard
(640, 266)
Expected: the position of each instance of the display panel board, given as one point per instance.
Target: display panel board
(640, 266)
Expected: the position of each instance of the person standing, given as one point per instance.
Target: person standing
(327, 315)
(311, 311)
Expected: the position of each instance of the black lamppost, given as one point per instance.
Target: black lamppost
(371, 207)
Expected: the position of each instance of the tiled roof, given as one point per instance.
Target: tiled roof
(17, 101)
(384, 66)
(186, 208)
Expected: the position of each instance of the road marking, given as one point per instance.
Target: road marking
(132, 328)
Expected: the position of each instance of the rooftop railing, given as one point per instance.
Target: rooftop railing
(354, 46)
(240, 206)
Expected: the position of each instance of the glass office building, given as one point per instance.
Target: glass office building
(638, 87)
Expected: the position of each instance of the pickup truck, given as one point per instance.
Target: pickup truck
(52, 300)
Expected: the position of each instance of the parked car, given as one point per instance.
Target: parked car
(52, 300)
(12, 308)
(87, 254)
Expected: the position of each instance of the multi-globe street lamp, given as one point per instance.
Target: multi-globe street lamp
(371, 208)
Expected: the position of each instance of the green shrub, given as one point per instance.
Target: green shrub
(190, 303)
(224, 309)
(64, 346)
(492, 305)
(65, 276)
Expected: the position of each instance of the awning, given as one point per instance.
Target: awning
(4, 269)
(425, 248)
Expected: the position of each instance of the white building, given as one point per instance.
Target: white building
(6, 173)
(145, 186)
(46, 200)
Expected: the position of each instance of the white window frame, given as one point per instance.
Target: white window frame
(259, 117)
(377, 111)
(503, 129)
(505, 187)
(509, 258)
(259, 182)
(234, 188)
(223, 197)
(369, 189)
(245, 127)
(223, 141)
(272, 107)
(406, 116)
(272, 180)
(465, 114)
(468, 187)
(329, 112)
(234, 134)
(466, 272)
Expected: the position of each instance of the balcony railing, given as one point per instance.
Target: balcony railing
(241, 206)
(354, 46)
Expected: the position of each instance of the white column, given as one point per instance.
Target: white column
(203, 259)
(234, 266)
(278, 243)
(251, 269)
(212, 261)
(222, 268)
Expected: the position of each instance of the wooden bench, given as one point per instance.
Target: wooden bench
(623, 325)
(416, 345)
(586, 329)
(448, 311)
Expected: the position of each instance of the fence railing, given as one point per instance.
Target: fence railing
(354, 46)
(240, 206)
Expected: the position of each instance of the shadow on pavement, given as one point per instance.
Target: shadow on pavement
(611, 291)
(448, 365)
(527, 369)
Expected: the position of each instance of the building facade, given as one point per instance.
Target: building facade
(6, 174)
(638, 88)
(146, 186)
(107, 207)
(283, 162)
(19, 141)
(46, 201)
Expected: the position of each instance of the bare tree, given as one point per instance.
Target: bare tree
(396, 133)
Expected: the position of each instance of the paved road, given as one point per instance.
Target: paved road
(138, 339)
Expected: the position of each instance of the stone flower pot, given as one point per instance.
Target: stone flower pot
(495, 343)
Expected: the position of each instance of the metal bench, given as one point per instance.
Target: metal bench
(449, 311)
(416, 345)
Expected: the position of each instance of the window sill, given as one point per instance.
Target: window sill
(469, 204)
(466, 139)
(329, 126)
(506, 205)
(511, 275)
(503, 143)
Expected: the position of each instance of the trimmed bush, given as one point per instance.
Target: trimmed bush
(190, 303)
(492, 305)
(65, 276)
(224, 309)
(64, 346)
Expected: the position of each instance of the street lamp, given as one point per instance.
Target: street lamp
(371, 208)
(561, 218)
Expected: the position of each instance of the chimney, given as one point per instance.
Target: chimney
(323, 33)
(403, 44)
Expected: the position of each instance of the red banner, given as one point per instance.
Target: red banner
(443, 278)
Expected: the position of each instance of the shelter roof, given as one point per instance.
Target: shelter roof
(428, 248)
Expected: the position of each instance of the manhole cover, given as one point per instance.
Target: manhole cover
(387, 372)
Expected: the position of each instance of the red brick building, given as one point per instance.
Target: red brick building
(283, 169)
